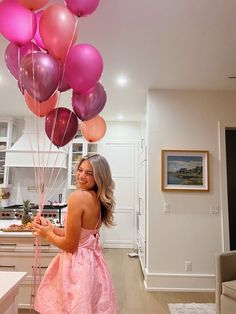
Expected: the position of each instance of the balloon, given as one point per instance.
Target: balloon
(63, 85)
(17, 24)
(88, 105)
(14, 54)
(40, 75)
(37, 36)
(11, 59)
(33, 4)
(58, 30)
(93, 130)
(82, 7)
(83, 67)
(41, 109)
(61, 126)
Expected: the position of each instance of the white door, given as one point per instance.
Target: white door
(122, 157)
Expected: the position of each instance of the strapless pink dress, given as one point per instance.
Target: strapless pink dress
(78, 283)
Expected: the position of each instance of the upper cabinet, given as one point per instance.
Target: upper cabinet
(6, 126)
(79, 148)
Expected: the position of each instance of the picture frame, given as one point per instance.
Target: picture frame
(185, 170)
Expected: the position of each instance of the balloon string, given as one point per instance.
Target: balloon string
(40, 177)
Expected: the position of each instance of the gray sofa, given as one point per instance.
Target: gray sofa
(226, 283)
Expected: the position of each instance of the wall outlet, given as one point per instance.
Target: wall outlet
(215, 209)
(166, 208)
(188, 266)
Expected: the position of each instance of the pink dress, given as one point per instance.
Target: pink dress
(78, 283)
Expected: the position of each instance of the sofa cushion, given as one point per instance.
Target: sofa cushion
(229, 289)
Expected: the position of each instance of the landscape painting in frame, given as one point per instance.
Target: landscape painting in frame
(185, 170)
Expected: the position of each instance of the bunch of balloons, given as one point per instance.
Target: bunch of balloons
(45, 59)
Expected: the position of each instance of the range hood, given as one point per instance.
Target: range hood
(34, 149)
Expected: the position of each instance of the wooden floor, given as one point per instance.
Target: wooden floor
(132, 297)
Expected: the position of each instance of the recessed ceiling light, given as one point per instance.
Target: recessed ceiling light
(120, 117)
(122, 80)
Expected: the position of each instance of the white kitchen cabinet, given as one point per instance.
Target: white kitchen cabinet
(17, 254)
(78, 148)
(6, 126)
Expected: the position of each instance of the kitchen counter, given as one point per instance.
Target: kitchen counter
(17, 234)
(5, 223)
(9, 289)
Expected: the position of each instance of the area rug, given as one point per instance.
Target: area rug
(192, 308)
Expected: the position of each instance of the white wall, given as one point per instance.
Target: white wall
(184, 120)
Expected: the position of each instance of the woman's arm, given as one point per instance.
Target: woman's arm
(70, 240)
(59, 231)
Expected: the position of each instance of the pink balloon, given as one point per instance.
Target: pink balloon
(93, 130)
(40, 75)
(82, 7)
(33, 4)
(61, 126)
(41, 109)
(37, 36)
(14, 54)
(58, 30)
(83, 67)
(17, 24)
(89, 104)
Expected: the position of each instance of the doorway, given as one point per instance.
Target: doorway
(230, 140)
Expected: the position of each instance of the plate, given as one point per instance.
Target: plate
(19, 230)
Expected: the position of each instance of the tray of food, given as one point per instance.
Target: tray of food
(18, 228)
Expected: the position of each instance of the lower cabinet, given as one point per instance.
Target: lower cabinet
(18, 254)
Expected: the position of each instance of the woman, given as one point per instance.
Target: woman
(77, 280)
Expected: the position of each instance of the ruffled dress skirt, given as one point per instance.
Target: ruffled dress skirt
(78, 283)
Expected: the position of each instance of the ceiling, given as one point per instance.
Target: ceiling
(161, 44)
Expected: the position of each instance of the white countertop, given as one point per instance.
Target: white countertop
(9, 281)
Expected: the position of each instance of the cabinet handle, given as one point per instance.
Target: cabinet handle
(7, 244)
(48, 245)
(7, 266)
(42, 267)
(139, 207)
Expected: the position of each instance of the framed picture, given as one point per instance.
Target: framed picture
(185, 170)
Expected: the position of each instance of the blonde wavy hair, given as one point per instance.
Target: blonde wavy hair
(104, 185)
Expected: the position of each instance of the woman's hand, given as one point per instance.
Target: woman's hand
(43, 230)
(41, 220)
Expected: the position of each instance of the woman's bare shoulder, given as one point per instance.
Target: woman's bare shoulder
(81, 196)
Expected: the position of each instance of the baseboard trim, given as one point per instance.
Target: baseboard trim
(179, 282)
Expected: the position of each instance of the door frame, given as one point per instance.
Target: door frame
(222, 126)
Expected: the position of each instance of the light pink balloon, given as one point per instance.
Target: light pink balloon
(83, 68)
(82, 7)
(93, 130)
(37, 36)
(58, 30)
(17, 24)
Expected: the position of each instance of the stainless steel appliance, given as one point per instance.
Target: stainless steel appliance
(16, 212)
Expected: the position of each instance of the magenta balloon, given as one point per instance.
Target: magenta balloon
(40, 75)
(28, 48)
(37, 36)
(82, 7)
(63, 85)
(17, 24)
(83, 67)
(11, 59)
(14, 54)
(61, 126)
(88, 105)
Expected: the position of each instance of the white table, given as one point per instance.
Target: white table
(9, 288)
